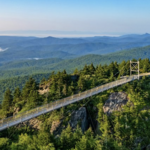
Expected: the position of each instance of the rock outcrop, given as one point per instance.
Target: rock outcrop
(148, 147)
(56, 127)
(115, 102)
(16, 110)
(44, 88)
(79, 117)
(32, 123)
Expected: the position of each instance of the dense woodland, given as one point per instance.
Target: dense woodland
(13, 71)
(28, 67)
(120, 130)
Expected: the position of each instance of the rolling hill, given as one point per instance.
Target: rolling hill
(23, 48)
(16, 73)
(28, 67)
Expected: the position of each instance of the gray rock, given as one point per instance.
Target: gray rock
(79, 117)
(148, 147)
(115, 102)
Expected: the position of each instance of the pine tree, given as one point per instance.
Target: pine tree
(105, 129)
(30, 85)
(33, 99)
(85, 70)
(66, 138)
(93, 84)
(92, 69)
(81, 83)
(64, 72)
(53, 88)
(17, 95)
(117, 129)
(76, 72)
(64, 91)
(7, 102)
(100, 73)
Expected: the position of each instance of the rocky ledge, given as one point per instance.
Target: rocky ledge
(115, 102)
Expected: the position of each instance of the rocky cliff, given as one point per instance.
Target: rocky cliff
(78, 117)
(115, 102)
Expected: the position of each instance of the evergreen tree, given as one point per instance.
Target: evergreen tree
(64, 91)
(17, 95)
(53, 88)
(122, 68)
(76, 72)
(7, 102)
(85, 70)
(64, 72)
(100, 72)
(81, 83)
(91, 69)
(66, 138)
(93, 84)
(30, 85)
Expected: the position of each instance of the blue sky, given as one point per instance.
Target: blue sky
(85, 16)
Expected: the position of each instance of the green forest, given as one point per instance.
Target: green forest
(122, 130)
(16, 73)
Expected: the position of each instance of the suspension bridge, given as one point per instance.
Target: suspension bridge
(21, 117)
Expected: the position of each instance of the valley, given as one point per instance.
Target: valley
(39, 71)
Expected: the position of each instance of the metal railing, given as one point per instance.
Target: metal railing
(18, 118)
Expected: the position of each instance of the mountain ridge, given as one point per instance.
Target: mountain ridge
(48, 47)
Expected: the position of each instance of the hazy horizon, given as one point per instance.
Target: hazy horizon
(61, 34)
(74, 18)
(55, 33)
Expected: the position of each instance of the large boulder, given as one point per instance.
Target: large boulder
(115, 102)
(148, 147)
(79, 117)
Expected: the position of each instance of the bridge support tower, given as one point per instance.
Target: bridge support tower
(135, 67)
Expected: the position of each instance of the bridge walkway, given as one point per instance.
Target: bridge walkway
(16, 119)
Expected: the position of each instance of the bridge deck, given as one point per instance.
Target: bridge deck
(14, 120)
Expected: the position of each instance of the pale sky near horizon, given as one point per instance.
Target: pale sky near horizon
(97, 16)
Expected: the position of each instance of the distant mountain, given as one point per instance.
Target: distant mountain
(16, 73)
(7, 56)
(29, 67)
(30, 63)
(9, 40)
(22, 48)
